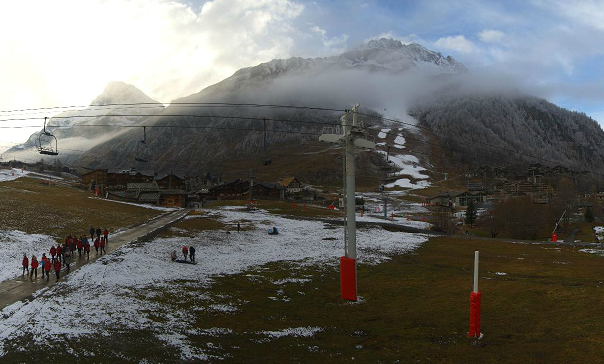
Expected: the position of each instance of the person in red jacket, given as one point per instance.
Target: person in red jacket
(80, 247)
(102, 245)
(87, 249)
(96, 245)
(53, 252)
(59, 252)
(46, 268)
(185, 251)
(34, 267)
(57, 266)
(25, 264)
(106, 235)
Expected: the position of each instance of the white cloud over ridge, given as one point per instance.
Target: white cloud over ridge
(458, 43)
(491, 36)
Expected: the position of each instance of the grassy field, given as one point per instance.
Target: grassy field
(540, 303)
(546, 308)
(58, 210)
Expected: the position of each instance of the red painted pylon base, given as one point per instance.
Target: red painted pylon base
(474, 314)
(348, 278)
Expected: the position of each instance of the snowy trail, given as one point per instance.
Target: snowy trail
(14, 289)
(128, 279)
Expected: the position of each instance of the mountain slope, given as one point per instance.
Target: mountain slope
(521, 123)
(104, 112)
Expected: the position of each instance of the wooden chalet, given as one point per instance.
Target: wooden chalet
(171, 181)
(291, 185)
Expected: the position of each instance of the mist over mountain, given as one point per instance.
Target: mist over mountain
(386, 77)
(108, 109)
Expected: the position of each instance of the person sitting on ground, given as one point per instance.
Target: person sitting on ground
(185, 251)
(173, 255)
(25, 264)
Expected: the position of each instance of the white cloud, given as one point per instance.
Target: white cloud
(491, 36)
(586, 12)
(64, 52)
(405, 39)
(333, 44)
(457, 43)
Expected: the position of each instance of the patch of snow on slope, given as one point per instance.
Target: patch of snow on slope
(125, 282)
(14, 243)
(11, 174)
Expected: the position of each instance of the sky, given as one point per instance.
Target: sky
(64, 52)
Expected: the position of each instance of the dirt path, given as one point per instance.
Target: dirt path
(22, 288)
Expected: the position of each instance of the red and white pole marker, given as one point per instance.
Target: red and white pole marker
(554, 238)
(475, 303)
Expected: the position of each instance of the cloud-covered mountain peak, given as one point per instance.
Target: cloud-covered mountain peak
(117, 92)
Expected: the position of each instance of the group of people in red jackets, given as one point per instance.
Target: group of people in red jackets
(62, 255)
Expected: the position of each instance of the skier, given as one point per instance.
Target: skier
(106, 235)
(102, 246)
(53, 252)
(96, 245)
(87, 249)
(57, 266)
(25, 264)
(185, 251)
(34, 267)
(91, 233)
(192, 253)
(98, 233)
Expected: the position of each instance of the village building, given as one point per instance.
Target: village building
(171, 181)
(149, 193)
(457, 199)
(291, 185)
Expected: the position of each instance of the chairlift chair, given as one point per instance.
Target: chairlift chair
(45, 141)
(141, 146)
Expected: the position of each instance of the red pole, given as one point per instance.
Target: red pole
(475, 297)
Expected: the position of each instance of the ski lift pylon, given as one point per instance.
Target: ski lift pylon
(44, 143)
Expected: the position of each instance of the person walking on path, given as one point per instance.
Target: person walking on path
(59, 252)
(87, 249)
(102, 246)
(67, 259)
(185, 251)
(192, 253)
(25, 264)
(80, 247)
(96, 245)
(98, 233)
(47, 269)
(34, 267)
(91, 233)
(53, 252)
(57, 266)
(106, 235)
